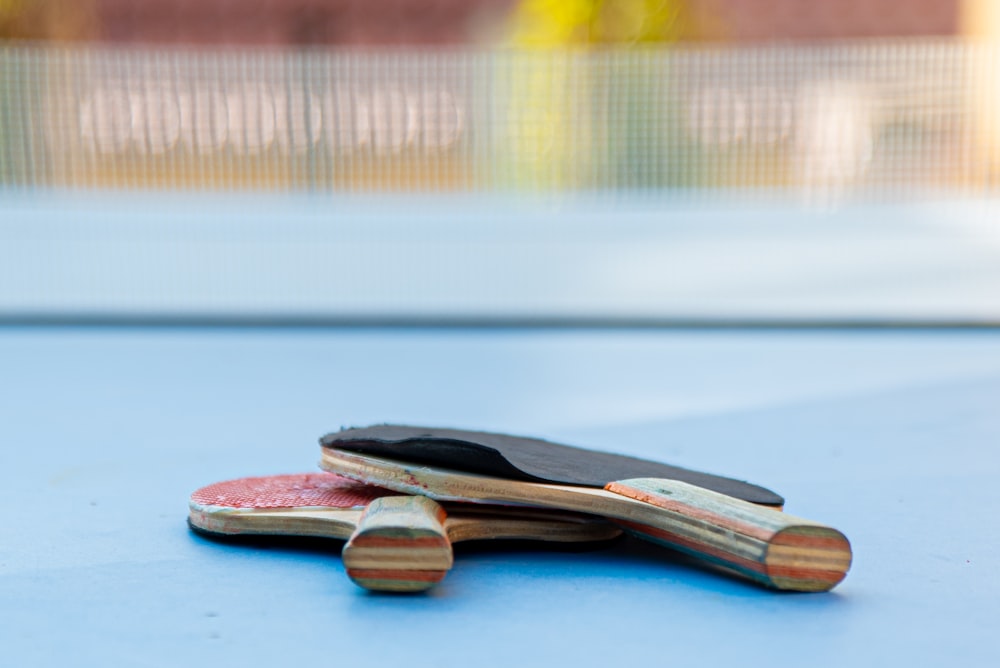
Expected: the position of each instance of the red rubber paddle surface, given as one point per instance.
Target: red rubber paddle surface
(300, 490)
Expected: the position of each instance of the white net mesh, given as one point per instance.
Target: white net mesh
(876, 119)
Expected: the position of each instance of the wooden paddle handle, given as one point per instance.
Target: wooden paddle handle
(764, 544)
(399, 545)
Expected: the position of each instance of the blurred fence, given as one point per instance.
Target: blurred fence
(875, 118)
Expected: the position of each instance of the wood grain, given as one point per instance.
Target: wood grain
(397, 544)
(765, 545)
(774, 548)
(309, 522)
(400, 545)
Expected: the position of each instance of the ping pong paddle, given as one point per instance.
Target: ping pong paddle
(394, 542)
(728, 523)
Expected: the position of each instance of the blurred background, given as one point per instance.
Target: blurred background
(744, 236)
(779, 124)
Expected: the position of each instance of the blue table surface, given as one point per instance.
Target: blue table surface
(890, 436)
(133, 255)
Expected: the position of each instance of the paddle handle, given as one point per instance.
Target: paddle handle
(399, 545)
(764, 544)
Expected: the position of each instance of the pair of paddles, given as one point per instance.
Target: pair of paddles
(524, 488)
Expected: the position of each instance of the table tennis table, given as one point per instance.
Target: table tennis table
(153, 344)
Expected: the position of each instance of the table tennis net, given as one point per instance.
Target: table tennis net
(884, 119)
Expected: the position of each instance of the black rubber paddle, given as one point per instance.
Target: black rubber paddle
(729, 523)
(527, 459)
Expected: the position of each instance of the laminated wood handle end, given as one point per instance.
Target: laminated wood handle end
(400, 545)
(763, 544)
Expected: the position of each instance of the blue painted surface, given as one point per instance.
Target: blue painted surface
(251, 255)
(891, 437)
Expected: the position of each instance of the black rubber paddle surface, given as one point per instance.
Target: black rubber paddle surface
(527, 459)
